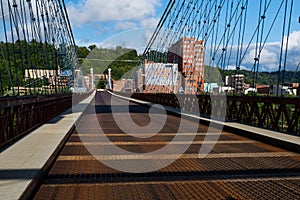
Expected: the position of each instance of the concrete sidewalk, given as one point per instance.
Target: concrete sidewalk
(22, 162)
(285, 141)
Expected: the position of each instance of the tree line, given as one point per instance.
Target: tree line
(121, 60)
(20, 55)
(16, 57)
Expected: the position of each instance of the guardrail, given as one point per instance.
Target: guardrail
(274, 113)
(19, 115)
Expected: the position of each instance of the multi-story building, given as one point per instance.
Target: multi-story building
(189, 55)
(161, 77)
(237, 81)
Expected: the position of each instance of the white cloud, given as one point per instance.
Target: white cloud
(125, 25)
(150, 22)
(113, 10)
(270, 55)
(134, 38)
(294, 41)
(269, 58)
(233, 67)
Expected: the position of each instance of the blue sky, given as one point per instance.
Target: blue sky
(95, 21)
(130, 23)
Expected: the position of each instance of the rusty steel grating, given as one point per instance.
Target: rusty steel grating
(236, 168)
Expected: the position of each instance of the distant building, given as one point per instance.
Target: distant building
(293, 87)
(262, 89)
(80, 82)
(59, 78)
(98, 77)
(237, 82)
(246, 86)
(189, 55)
(124, 85)
(89, 84)
(281, 90)
(226, 89)
(210, 87)
(41, 73)
(161, 77)
(139, 80)
(250, 90)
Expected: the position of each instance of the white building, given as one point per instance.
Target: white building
(161, 77)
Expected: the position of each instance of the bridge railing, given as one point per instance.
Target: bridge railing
(274, 113)
(20, 115)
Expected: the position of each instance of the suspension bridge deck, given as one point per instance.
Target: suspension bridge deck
(236, 167)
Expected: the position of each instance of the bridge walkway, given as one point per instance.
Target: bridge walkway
(235, 168)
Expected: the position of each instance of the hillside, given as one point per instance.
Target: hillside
(268, 78)
(120, 60)
(102, 58)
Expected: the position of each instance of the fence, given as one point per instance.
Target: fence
(274, 113)
(19, 115)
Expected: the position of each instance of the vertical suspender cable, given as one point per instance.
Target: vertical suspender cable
(287, 41)
(281, 48)
(8, 63)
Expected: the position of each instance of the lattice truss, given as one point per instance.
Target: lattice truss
(230, 35)
(36, 44)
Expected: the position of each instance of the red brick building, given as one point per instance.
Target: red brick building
(189, 55)
(263, 89)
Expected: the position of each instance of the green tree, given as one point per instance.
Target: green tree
(101, 84)
(82, 52)
(92, 47)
